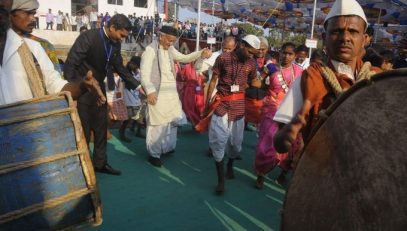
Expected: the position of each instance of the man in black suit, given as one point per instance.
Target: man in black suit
(99, 50)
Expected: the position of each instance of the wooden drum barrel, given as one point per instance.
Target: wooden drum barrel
(353, 172)
(47, 181)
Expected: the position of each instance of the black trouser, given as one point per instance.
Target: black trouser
(95, 118)
(49, 25)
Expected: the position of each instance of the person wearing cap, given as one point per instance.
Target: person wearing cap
(345, 27)
(256, 90)
(99, 50)
(205, 66)
(164, 108)
(231, 73)
(48, 47)
(26, 72)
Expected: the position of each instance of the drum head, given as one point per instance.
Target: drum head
(353, 173)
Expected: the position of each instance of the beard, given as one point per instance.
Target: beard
(240, 55)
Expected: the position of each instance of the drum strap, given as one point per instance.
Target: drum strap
(333, 82)
(330, 77)
(33, 70)
(365, 72)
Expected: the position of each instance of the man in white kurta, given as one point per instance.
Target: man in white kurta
(14, 84)
(17, 72)
(158, 80)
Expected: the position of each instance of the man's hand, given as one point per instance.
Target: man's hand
(152, 98)
(93, 86)
(286, 136)
(206, 53)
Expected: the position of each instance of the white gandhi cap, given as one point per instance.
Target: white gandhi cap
(346, 8)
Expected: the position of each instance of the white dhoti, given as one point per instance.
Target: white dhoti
(161, 139)
(225, 136)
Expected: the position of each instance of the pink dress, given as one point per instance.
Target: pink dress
(266, 156)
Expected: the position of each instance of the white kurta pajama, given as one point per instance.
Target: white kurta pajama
(14, 85)
(162, 117)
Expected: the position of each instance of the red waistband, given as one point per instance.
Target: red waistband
(233, 97)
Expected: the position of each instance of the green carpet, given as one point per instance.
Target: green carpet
(180, 195)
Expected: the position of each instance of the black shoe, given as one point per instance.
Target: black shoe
(238, 157)
(108, 170)
(209, 153)
(155, 161)
(124, 138)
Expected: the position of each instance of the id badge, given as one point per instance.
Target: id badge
(118, 94)
(234, 88)
(267, 80)
(198, 88)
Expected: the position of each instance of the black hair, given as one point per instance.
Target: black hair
(387, 55)
(134, 63)
(288, 44)
(373, 57)
(370, 31)
(302, 47)
(319, 54)
(83, 28)
(275, 55)
(119, 22)
(136, 60)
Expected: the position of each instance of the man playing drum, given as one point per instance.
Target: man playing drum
(25, 70)
(345, 27)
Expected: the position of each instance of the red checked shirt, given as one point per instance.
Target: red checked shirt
(232, 71)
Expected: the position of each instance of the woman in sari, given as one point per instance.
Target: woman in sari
(278, 85)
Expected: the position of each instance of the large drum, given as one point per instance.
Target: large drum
(353, 173)
(47, 180)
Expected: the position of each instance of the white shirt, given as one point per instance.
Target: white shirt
(14, 85)
(294, 99)
(93, 16)
(73, 21)
(343, 69)
(60, 17)
(304, 65)
(203, 65)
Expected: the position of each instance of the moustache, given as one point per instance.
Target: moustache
(345, 45)
(32, 24)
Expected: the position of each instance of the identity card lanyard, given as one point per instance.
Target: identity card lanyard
(108, 53)
(234, 87)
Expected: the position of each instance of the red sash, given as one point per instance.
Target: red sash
(203, 125)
